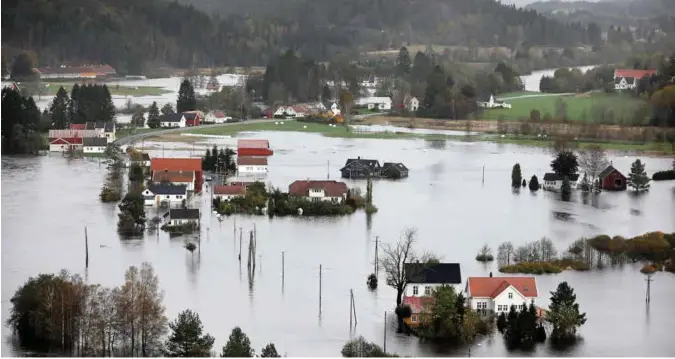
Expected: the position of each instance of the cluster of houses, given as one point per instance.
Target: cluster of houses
(326, 108)
(90, 137)
(358, 168)
(610, 179)
(487, 295)
(183, 119)
(627, 79)
(64, 72)
(315, 191)
(489, 101)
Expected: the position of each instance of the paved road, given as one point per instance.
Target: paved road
(139, 136)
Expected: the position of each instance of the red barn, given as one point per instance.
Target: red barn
(192, 118)
(254, 148)
(612, 180)
(179, 164)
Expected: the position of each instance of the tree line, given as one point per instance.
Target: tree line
(20, 123)
(85, 103)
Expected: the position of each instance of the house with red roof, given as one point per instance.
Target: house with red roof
(251, 166)
(498, 294)
(253, 148)
(333, 191)
(627, 79)
(165, 165)
(227, 192)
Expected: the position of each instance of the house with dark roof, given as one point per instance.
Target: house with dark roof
(498, 294)
(612, 180)
(172, 120)
(164, 194)
(394, 170)
(360, 168)
(103, 129)
(317, 191)
(179, 177)
(422, 280)
(227, 192)
(553, 182)
(183, 216)
(192, 118)
(94, 144)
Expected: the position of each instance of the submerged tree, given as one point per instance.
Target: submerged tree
(534, 183)
(565, 164)
(186, 339)
(361, 348)
(566, 189)
(564, 313)
(637, 178)
(269, 351)
(516, 176)
(238, 345)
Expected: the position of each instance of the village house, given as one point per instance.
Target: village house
(498, 294)
(627, 79)
(394, 170)
(375, 103)
(103, 129)
(180, 177)
(177, 165)
(612, 180)
(316, 191)
(192, 118)
(253, 148)
(172, 120)
(331, 107)
(98, 72)
(217, 117)
(491, 102)
(553, 182)
(251, 166)
(301, 110)
(64, 140)
(227, 192)
(422, 280)
(94, 144)
(411, 103)
(360, 168)
(182, 217)
(284, 112)
(164, 194)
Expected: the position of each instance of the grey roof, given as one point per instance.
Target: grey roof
(554, 177)
(167, 189)
(184, 213)
(609, 170)
(106, 126)
(396, 166)
(369, 164)
(95, 142)
(189, 115)
(442, 273)
(174, 117)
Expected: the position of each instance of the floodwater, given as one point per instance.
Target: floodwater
(48, 200)
(531, 81)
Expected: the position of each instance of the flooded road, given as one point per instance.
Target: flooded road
(47, 201)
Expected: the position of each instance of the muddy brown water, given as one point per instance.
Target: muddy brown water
(47, 201)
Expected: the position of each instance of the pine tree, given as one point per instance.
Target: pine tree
(585, 185)
(534, 183)
(72, 104)
(566, 189)
(501, 322)
(512, 334)
(107, 107)
(637, 178)
(153, 116)
(516, 176)
(186, 97)
(186, 339)
(238, 345)
(206, 161)
(167, 109)
(270, 351)
(403, 62)
(59, 110)
(564, 313)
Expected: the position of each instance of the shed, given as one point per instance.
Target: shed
(612, 180)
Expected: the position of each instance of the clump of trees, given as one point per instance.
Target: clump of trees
(592, 160)
(637, 178)
(219, 160)
(361, 348)
(112, 188)
(522, 328)
(564, 314)
(537, 257)
(131, 219)
(20, 124)
(186, 97)
(485, 254)
(85, 103)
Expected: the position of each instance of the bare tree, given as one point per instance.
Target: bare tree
(504, 253)
(152, 321)
(592, 161)
(484, 254)
(521, 254)
(394, 258)
(547, 248)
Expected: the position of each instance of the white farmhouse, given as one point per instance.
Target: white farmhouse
(94, 144)
(164, 194)
(553, 182)
(375, 103)
(172, 120)
(249, 165)
(498, 294)
(412, 104)
(182, 216)
(423, 279)
(491, 102)
(217, 117)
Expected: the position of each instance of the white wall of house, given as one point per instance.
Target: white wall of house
(179, 222)
(501, 303)
(173, 199)
(94, 149)
(319, 194)
(251, 169)
(413, 104)
(425, 289)
(110, 136)
(180, 123)
(190, 185)
(226, 197)
(58, 148)
(557, 185)
(624, 85)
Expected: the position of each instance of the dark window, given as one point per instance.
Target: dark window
(618, 182)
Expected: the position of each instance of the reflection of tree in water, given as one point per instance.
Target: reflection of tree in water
(563, 216)
(193, 263)
(436, 144)
(369, 222)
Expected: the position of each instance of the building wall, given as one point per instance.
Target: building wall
(248, 169)
(178, 222)
(95, 149)
(609, 182)
(58, 148)
(409, 290)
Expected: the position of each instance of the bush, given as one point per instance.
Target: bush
(648, 269)
(370, 209)
(485, 258)
(664, 175)
(531, 268)
(534, 183)
(403, 311)
(109, 195)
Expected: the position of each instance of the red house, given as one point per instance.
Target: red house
(179, 164)
(612, 180)
(254, 148)
(192, 118)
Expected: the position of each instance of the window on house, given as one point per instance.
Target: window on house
(415, 290)
(510, 295)
(618, 182)
(427, 290)
(520, 307)
(413, 318)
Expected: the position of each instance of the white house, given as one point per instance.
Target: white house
(490, 102)
(217, 117)
(284, 111)
(332, 107)
(102, 129)
(172, 120)
(423, 279)
(316, 191)
(185, 178)
(182, 216)
(164, 194)
(375, 103)
(628, 79)
(553, 182)
(412, 104)
(94, 144)
(248, 165)
(227, 192)
(498, 294)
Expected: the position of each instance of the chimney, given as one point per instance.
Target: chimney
(490, 274)
(359, 157)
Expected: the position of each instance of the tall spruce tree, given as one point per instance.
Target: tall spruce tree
(403, 62)
(167, 109)
(637, 178)
(187, 338)
(238, 345)
(564, 313)
(516, 176)
(153, 115)
(107, 105)
(186, 97)
(58, 111)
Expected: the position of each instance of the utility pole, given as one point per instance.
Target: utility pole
(351, 310)
(483, 179)
(320, 280)
(377, 266)
(328, 169)
(283, 270)
(86, 248)
(240, 240)
(384, 348)
(649, 280)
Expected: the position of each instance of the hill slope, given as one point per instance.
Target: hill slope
(132, 34)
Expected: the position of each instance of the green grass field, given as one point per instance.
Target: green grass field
(579, 107)
(50, 89)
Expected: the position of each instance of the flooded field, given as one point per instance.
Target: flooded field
(47, 201)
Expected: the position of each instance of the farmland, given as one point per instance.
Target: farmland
(596, 107)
